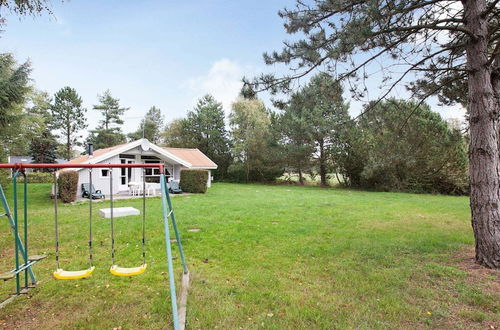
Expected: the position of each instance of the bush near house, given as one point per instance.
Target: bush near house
(68, 185)
(194, 181)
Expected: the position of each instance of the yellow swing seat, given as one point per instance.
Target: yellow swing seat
(62, 274)
(122, 271)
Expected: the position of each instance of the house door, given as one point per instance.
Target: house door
(126, 174)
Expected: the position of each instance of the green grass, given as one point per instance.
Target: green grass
(273, 257)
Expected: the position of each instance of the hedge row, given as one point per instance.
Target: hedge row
(194, 181)
(68, 185)
(38, 177)
(5, 179)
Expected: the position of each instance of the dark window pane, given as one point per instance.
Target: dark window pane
(127, 156)
(124, 181)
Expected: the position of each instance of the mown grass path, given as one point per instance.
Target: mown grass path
(273, 257)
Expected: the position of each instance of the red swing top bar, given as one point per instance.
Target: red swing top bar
(20, 166)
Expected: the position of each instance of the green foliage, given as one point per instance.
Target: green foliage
(108, 133)
(67, 183)
(357, 40)
(26, 7)
(14, 92)
(14, 87)
(43, 149)
(150, 126)
(68, 116)
(175, 134)
(110, 109)
(4, 173)
(43, 144)
(254, 141)
(194, 181)
(406, 146)
(106, 138)
(38, 177)
(204, 128)
(311, 127)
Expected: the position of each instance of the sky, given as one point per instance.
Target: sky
(165, 53)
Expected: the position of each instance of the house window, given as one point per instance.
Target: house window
(125, 172)
(104, 173)
(153, 174)
(124, 156)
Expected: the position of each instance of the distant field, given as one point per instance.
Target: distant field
(273, 257)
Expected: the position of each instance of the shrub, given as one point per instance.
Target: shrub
(4, 177)
(68, 185)
(38, 177)
(4, 172)
(404, 146)
(194, 181)
(237, 172)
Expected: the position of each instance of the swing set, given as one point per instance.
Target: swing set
(21, 245)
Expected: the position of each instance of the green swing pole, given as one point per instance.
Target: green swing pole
(25, 218)
(17, 239)
(176, 231)
(173, 297)
(16, 230)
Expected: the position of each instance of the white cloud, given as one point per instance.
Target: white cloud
(222, 81)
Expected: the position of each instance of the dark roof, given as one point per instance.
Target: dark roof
(28, 160)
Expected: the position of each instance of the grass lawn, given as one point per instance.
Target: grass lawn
(274, 257)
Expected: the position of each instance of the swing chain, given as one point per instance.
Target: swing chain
(112, 217)
(90, 217)
(56, 192)
(144, 215)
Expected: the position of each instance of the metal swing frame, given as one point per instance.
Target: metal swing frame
(20, 244)
(178, 314)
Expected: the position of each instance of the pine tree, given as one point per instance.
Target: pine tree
(108, 133)
(43, 143)
(150, 126)
(68, 116)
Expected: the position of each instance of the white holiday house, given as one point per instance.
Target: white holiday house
(139, 152)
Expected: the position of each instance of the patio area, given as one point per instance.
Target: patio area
(125, 195)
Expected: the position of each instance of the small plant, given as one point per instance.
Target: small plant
(194, 181)
(68, 185)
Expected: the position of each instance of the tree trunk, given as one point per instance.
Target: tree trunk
(247, 168)
(301, 177)
(322, 162)
(337, 176)
(68, 146)
(483, 150)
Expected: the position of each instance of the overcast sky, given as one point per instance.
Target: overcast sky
(151, 52)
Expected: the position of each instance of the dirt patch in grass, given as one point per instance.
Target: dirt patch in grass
(489, 279)
(481, 293)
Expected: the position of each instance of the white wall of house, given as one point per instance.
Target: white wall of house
(99, 180)
(102, 181)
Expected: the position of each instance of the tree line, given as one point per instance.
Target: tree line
(309, 135)
(398, 146)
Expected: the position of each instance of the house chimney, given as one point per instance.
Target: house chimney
(90, 149)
